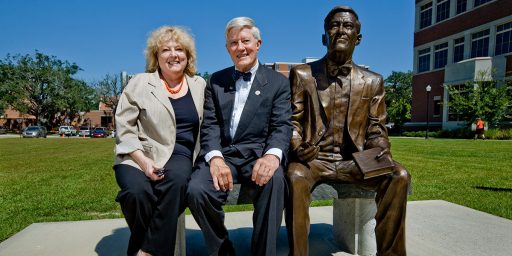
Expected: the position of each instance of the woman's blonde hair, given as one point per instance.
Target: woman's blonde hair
(163, 34)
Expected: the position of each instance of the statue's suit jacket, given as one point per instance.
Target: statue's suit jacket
(265, 121)
(145, 119)
(366, 111)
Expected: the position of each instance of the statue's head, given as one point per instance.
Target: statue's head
(342, 31)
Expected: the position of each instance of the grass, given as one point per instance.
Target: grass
(72, 179)
(55, 180)
(476, 174)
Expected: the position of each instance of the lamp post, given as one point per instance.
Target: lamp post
(428, 88)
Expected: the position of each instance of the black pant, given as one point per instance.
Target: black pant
(151, 208)
(205, 203)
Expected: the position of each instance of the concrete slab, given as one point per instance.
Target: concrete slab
(433, 228)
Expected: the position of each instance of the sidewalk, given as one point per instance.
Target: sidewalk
(433, 228)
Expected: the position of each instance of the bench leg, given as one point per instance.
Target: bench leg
(181, 244)
(354, 225)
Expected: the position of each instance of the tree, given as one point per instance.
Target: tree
(204, 75)
(109, 90)
(488, 99)
(42, 86)
(398, 87)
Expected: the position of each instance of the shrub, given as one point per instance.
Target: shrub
(499, 134)
(464, 133)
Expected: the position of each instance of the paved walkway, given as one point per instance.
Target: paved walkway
(433, 228)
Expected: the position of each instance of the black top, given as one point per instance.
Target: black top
(187, 125)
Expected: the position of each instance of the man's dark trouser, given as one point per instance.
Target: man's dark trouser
(151, 209)
(391, 202)
(206, 204)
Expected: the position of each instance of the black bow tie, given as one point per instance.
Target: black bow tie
(334, 70)
(246, 76)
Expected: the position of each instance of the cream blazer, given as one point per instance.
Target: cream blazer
(145, 119)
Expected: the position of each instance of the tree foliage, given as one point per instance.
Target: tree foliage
(43, 86)
(490, 100)
(204, 75)
(399, 97)
(109, 90)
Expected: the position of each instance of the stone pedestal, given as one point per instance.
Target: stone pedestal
(181, 243)
(353, 220)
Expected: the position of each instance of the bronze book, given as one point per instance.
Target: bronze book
(370, 165)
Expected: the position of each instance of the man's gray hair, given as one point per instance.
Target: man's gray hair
(243, 22)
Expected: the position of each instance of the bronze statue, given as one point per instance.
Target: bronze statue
(338, 109)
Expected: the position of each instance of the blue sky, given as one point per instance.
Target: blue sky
(108, 36)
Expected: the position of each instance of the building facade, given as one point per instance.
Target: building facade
(455, 41)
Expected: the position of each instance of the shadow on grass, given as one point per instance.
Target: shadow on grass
(494, 189)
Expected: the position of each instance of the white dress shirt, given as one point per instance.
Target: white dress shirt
(242, 93)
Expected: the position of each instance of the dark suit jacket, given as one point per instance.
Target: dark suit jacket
(366, 111)
(265, 121)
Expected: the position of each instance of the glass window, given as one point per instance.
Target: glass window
(440, 55)
(503, 38)
(443, 10)
(458, 49)
(424, 60)
(454, 115)
(480, 2)
(437, 105)
(426, 15)
(480, 44)
(461, 6)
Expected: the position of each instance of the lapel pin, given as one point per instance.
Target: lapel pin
(257, 92)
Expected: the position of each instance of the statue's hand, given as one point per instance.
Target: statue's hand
(384, 153)
(307, 152)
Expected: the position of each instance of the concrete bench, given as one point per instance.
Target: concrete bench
(353, 216)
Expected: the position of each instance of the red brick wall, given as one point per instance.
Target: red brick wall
(419, 95)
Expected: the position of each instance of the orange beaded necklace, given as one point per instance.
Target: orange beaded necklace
(169, 89)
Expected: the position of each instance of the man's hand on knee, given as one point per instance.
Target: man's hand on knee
(264, 169)
(221, 174)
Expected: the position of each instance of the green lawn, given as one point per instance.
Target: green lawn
(72, 179)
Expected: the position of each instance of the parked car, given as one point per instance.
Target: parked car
(34, 132)
(67, 130)
(3, 130)
(84, 131)
(99, 132)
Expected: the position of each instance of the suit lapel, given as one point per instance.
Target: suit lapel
(253, 102)
(226, 96)
(158, 92)
(357, 88)
(319, 70)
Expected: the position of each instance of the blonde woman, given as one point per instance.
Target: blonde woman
(157, 122)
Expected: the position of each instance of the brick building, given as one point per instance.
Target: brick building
(285, 67)
(454, 41)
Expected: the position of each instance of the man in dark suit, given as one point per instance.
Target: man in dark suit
(245, 136)
(338, 109)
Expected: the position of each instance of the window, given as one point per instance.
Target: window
(480, 2)
(426, 15)
(443, 10)
(503, 39)
(480, 44)
(440, 55)
(424, 60)
(454, 115)
(458, 49)
(437, 105)
(461, 6)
